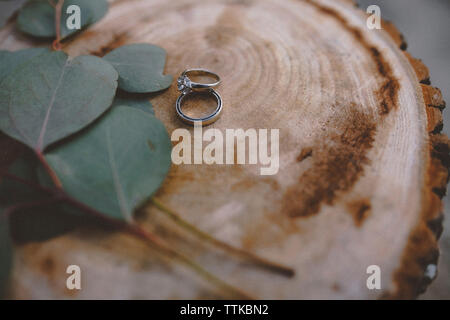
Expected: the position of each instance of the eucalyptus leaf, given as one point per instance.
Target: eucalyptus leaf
(46, 222)
(140, 67)
(117, 163)
(38, 223)
(37, 17)
(8, 8)
(6, 253)
(142, 104)
(97, 8)
(51, 97)
(13, 192)
(11, 60)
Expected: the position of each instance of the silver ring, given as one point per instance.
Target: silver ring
(205, 120)
(184, 82)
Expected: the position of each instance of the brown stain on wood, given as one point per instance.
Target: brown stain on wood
(336, 287)
(117, 41)
(360, 210)
(338, 162)
(421, 249)
(304, 154)
(52, 269)
(48, 265)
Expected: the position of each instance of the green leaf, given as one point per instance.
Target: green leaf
(140, 68)
(142, 104)
(13, 192)
(6, 253)
(97, 8)
(52, 96)
(37, 17)
(12, 60)
(117, 163)
(8, 8)
(46, 222)
(38, 223)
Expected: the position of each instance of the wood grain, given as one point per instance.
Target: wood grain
(362, 162)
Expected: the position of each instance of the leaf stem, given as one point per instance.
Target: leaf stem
(232, 291)
(24, 205)
(28, 183)
(159, 244)
(262, 262)
(52, 3)
(58, 13)
(133, 229)
(49, 170)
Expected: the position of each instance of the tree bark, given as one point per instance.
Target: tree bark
(363, 165)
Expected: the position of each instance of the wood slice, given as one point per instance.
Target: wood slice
(362, 162)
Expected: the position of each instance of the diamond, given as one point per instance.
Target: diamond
(184, 84)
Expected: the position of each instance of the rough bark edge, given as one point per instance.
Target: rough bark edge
(411, 278)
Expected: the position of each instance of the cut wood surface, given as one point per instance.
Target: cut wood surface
(362, 162)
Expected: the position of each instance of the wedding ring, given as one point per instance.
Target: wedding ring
(184, 82)
(205, 120)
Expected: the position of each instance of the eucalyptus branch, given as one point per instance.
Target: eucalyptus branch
(52, 3)
(58, 13)
(264, 263)
(32, 204)
(132, 229)
(161, 246)
(32, 185)
(165, 249)
(49, 170)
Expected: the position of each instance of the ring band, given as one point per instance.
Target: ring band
(184, 82)
(205, 120)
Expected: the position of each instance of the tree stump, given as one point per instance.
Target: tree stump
(362, 162)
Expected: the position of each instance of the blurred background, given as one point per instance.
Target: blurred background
(426, 27)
